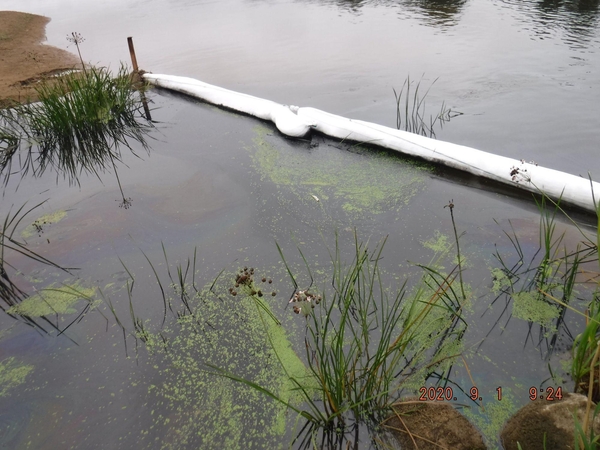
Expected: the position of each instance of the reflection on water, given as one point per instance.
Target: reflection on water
(576, 21)
(213, 182)
(441, 13)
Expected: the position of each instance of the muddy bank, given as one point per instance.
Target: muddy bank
(24, 60)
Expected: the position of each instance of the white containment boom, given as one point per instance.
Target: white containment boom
(284, 119)
(298, 121)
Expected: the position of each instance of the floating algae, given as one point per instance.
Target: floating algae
(12, 374)
(37, 226)
(374, 183)
(440, 243)
(500, 281)
(490, 419)
(531, 307)
(53, 300)
(235, 334)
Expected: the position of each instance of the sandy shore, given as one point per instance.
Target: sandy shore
(24, 60)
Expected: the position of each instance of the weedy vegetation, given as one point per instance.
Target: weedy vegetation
(79, 125)
(410, 110)
(543, 288)
(540, 287)
(42, 310)
(366, 344)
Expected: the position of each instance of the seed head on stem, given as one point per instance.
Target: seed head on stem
(77, 38)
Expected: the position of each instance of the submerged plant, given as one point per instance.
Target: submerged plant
(549, 281)
(365, 343)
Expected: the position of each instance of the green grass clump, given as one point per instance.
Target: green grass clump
(80, 124)
(366, 343)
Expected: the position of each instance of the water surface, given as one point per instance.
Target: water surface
(523, 74)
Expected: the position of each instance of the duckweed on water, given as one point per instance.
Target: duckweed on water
(531, 307)
(440, 243)
(12, 374)
(491, 420)
(231, 333)
(375, 183)
(55, 299)
(38, 225)
(500, 281)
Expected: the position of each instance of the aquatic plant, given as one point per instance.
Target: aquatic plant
(550, 283)
(541, 286)
(347, 187)
(410, 112)
(54, 301)
(79, 125)
(12, 374)
(204, 327)
(365, 344)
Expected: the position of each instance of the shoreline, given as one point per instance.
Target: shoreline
(24, 59)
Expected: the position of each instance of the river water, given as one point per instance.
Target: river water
(524, 75)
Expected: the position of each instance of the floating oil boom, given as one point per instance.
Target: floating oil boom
(298, 121)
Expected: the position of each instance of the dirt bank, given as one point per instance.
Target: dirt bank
(24, 59)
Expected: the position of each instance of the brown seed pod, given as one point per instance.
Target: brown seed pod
(260, 294)
(273, 293)
(264, 279)
(234, 293)
(270, 281)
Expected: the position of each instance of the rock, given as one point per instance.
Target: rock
(434, 426)
(552, 418)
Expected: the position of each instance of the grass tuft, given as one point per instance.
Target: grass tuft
(366, 343)
(80, 124)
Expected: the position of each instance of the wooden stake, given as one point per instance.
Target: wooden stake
(137, 76)
(132, 54)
